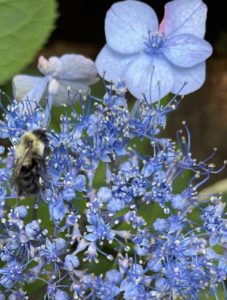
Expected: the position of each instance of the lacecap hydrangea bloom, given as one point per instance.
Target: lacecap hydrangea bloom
(108, 222)
(155, 60)
(59, 73)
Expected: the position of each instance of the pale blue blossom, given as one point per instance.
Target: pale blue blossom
(61, 75)
(155, 60)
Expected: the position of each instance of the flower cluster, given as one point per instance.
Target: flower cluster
(109, 222)
(172, 256)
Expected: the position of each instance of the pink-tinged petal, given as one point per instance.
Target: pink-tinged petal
(188, 80)
(127, 25)
(69, 67)
(149, 76)
(78, 67)
(184, 16)
(52, 66)
(186, 50)
(111, 64)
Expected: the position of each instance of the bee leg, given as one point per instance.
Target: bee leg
(41, 182)
(18, 198)
(35, 207)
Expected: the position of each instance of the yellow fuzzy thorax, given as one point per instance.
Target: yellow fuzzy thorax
(28, 145)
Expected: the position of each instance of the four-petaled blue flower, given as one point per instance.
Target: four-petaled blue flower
(154, 60)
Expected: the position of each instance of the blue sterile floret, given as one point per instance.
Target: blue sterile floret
(155, 60)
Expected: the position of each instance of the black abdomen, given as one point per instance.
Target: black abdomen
(29, 179)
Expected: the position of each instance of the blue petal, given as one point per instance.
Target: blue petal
(32, 229)
(68, 193)
(49, 245)
(21, 211)
(23, 84)
(149, 76)
(160, 225)
(188, 80)
(28, 86)
(80, 183)
(2, 297)
(114, 276)
(186, 50)
(115, 205)
(131, 290)
(91, 237)
(59, 244)
(184, 16)
(77, 67)
(104, 194)
(179, 202)
(71, 262)
(155, 265)
(112, 65)
(58, 211)
(161, 284)
(148, 169)
(213, 240)
(51, 67)
(61, 295)
(224, 238)
(222, 265)
(127, 24)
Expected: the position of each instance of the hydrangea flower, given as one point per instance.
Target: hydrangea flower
(69, 72)
(124, 233)
(154, 60)
(172, 256)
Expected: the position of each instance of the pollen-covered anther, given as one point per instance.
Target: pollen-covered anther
(197, 175)
(110, 257)
(211, 165)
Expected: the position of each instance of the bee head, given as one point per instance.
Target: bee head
(41, 135)
(35, 140)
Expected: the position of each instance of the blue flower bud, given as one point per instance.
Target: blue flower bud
(32, 229)
(113, 276)
(80, 183)
(21, 211)
(160, 225)
(104, 194)
(71, 262)
(61, 295)
(68, 194)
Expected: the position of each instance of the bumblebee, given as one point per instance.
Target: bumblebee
(30, 162)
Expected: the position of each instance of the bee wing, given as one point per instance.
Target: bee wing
(20, 161)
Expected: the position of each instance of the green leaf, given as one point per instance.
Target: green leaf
(24, 27)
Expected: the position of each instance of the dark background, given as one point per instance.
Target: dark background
(80, 29)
